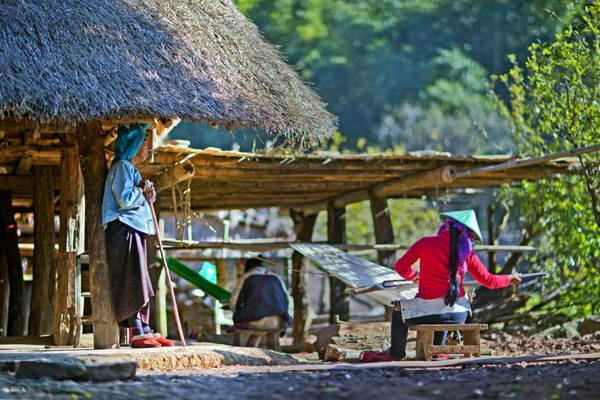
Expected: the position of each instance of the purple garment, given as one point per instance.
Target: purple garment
(465, 245)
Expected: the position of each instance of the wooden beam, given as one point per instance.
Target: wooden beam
(51, 154)
(41, 311)
(9, 247)
(93, 168)
(24, 166)
(392, 187)
(303, 225)
(339, 299)
(110, 137)
(177, 173)
(526, 162)
(67, 312)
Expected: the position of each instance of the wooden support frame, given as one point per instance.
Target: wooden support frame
(339, 299)
(67, 312)
(389, 188)
(303, 225)
(41, 313)
(93, 168)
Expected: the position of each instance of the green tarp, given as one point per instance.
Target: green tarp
(194, 278)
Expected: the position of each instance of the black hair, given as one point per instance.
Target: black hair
(252, 263)
(453, 291)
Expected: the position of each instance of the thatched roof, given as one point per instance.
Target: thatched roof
(64, 61)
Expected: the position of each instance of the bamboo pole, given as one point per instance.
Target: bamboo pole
(528, 161)
(168, 275)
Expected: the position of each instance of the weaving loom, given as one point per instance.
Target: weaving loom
(363, 277)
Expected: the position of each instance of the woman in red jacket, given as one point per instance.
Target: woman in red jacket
(444, 259)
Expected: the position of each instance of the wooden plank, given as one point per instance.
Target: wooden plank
(71, 241)
(93, 168)
(41, 313)
(453, 349)
(339, 299)
(448, 327)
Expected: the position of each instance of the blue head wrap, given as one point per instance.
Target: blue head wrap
(129, 140)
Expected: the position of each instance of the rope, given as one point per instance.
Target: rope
(180, 197)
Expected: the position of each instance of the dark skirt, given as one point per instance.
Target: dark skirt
(128, 265)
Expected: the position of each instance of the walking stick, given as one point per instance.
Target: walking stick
(166, 266)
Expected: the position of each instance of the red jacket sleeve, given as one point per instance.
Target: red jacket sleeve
(404, 263)
(481, 274)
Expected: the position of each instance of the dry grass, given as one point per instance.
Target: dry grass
(199, 60)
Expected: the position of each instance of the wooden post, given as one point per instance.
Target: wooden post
(221, 265)
(339, 300)
(384, 234)
(4, 293)
(93, 168)
(9, 246)
(44, 264)
(67, 312)
(303, 225)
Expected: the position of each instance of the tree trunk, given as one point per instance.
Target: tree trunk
(70, 243)
(9, 245)
(303, 225)
(339, 300)
(93, 168)
(44, 264)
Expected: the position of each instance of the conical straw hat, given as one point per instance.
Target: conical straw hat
(467, 218)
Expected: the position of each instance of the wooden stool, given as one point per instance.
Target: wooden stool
(426, 348)
(240, 338)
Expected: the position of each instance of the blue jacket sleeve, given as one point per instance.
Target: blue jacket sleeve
(126, 194)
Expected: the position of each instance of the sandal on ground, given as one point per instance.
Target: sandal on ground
(374, 356)
(442, 356)
(145, 340)
(164, 342)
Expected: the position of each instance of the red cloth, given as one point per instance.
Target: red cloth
(434, 275)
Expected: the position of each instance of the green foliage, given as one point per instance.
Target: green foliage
(367, 58)
(554, 105)
(411, 220)
(454, 113)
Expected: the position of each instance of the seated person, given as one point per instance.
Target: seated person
(445, 258)
(259, 300)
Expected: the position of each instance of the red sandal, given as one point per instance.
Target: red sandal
(143, 341)
(163, 341)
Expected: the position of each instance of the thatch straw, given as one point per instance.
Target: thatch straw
(77, 61)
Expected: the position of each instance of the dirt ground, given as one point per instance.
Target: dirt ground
(505, 344)
(549, 380)
(534, 379)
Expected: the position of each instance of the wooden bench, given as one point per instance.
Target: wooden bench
(426, 348)
(240, 337)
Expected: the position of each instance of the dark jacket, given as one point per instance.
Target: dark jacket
(261, 296)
